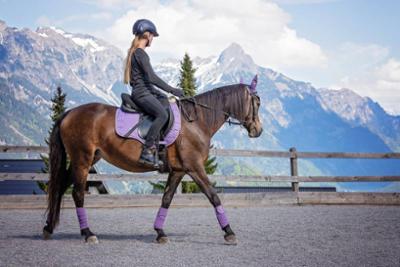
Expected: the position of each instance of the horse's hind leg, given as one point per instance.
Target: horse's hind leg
(48, 230)
(200, 178)
(80, 166)
(173, 181)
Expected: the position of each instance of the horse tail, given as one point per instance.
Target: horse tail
(58, 180)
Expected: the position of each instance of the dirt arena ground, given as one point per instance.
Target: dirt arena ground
(322, 235)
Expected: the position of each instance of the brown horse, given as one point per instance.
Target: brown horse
(87, 133)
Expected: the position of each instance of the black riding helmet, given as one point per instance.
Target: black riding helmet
(144, 25)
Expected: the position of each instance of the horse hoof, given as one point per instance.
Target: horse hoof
(92, 240)
(46, 235)
(162, 240)
(230, 240)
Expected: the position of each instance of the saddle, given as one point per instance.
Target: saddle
(145, 120)
(131, 122)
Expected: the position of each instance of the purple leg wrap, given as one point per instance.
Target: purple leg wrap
(223, 221)
(161, 215)
(82, 218)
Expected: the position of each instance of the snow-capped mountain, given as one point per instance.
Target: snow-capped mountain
(363, 111)
(79, 61)
(34, 63)
(294, 113)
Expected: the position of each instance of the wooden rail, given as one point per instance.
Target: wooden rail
(292, 154)
(242, 178)
(200, 200)
(294, 178)
(242, 153)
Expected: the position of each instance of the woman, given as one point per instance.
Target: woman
(140, 75)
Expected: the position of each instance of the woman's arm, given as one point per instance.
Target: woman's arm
(144, 62)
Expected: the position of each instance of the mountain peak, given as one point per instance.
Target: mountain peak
(233, 48)
(235, 56)
(57, 30)
(53, 31)
(3, 25)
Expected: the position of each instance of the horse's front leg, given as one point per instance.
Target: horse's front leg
(174, 178)
(201, 179)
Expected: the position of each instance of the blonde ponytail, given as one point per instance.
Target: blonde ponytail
(131, 50)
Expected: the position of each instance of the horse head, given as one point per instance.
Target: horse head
(252, 121)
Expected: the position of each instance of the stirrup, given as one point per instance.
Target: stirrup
(146, 162)
(155, 165)
(146, 158)
(150, 161)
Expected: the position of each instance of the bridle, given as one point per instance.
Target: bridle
(229, 116)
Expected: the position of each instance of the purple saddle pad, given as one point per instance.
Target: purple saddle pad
(124, 122)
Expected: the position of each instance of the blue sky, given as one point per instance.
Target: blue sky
(335, 44)
(360, 21)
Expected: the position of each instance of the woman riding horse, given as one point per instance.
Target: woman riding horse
(140, 75)
(87, 133)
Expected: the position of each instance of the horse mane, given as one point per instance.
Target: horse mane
(229, 96)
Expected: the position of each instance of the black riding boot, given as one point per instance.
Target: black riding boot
(147, 156)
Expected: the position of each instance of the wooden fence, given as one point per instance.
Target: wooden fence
(294, 197)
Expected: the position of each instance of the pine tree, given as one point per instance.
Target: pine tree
(57, 109)
(188, 84)
(187, 81)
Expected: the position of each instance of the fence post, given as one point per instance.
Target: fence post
(179, 189)
(293, 168)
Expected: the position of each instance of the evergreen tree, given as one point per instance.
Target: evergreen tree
(187, 81)
(188, 84)
(57, 109)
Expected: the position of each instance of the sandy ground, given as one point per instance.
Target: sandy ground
(268, 236)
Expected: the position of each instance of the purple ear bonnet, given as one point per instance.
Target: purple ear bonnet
(253, 85)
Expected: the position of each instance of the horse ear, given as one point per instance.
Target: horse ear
(253, 84)
(241, 80)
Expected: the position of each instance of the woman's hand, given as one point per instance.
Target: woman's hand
(177, 92)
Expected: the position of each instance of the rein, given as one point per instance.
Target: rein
(193, 100)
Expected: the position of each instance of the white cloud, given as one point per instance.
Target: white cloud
(206, 27)
(390, 71)
(46, 21)
(367, 70)
(364, 56)
(349, 60)
(381, 83)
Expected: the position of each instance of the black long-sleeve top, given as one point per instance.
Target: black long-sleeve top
(143, 77)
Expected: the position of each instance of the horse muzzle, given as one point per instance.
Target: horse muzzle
(253, 133)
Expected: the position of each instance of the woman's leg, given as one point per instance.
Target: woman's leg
(152, 106)
(163, 98)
